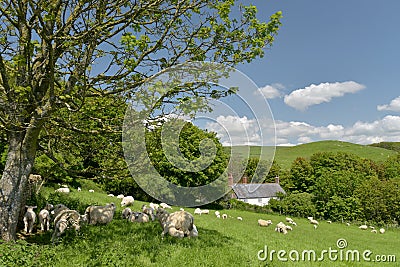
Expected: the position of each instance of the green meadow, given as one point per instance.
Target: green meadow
(229, 242)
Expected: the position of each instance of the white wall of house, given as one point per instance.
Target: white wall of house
(257, 201)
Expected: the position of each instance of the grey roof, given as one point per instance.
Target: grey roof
(257, 190)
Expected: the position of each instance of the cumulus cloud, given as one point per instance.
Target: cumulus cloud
(301, 99)
(271, 91)
(394, 105)
(234, 130)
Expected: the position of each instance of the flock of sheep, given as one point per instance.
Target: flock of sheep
(178, 224)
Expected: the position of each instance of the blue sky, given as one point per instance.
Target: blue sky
(332, 74)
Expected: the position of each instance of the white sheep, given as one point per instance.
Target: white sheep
(44, 218)
(79, 189)
(149, 211)
(197, 211)
(127, 201)
(91, 191)
(239, 218)
(120, 196)
(264, 223)
(363, 227)
(182, 209)
(165, 206)
(310, 218)
(382, 230)
(205, 212)
(314, 222)
(374, 231)
(329, 221)
(126, 213)
(293, 223)
(289, 220)
(154, 206)
(29, 219)
(110, 195)
(347, 224)
(177, 224)
(281, 228)
(217, 213)
(63, 190)
(224, 216)
(100, 214)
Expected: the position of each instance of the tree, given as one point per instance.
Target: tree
(302, 176)
(56, 54)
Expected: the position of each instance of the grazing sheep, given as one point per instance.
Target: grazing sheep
(149, 212)
(363, 227)
(289, 228)
(240, 218)
(44, 218)
(329, 221)
(281, 228)
(264, 223)
(293, 223)
(289, 220)
(79, 189)
(120, 196)
(63, 190)
(110, 195)
(374, 231)
(139, 217)
(182, 209)
(197, 211)
(66, 219)
(100, 214)
(224, 216)
(347, 224)
(126, 213)
(382, 230)
(154, 206)
(91, 191)
(177, 224)
(217, 213)
(371, 227)
(310, 218)
(314, 222)
(127, 201)
(29, 219)
(205, 212)
(165, 206)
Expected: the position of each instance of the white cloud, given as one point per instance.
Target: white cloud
(301, 99)
(271, 91)
(393, 106)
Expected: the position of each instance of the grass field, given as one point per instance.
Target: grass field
(284, 156)
(227, 242)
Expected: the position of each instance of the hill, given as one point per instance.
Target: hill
(284, 156)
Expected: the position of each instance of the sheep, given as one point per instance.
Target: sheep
(57, 209)
(289, 228)
(100, 214)
(314, 222)
(264, 223)
(91, 191)
(62, 190)
(197, 211)
(29, 219)
(79, 189)
(127, 201)
(165, 206)
(382, 230)
(329, 221)
(217, 213)
(182, 209)
(281, 228)
(289, 220)
(205, 212)
(293, 223)
(110, 195)
(154, 206)
(120, 196)
(177, 224)
(139, 217)
(224, 216)
(65, 219)
(126, 213)
(149, 212)
(372, 227)
(347, 224)
(374, 231)
(363, 227)
(310, 218)
(44, 218)
(240, 218)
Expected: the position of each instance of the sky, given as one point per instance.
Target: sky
(332, 74)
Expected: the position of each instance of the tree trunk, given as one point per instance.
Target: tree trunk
(20, 159)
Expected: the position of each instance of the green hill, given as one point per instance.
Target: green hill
(284, 156)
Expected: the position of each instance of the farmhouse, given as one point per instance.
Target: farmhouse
(256, 194)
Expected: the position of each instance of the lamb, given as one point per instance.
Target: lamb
(374, 231)
(289, 220)
(165, 206)
(264, 223)
(224, 216)
(329, 221)
(293, 223)
(314, 222)
(197, 211)
(177, 224)
(382, 230)
(110, 195)
(139, 217)
(363, 227)
(44, 218)
(154, 206)
(281, 228)
(217, 213)
(65, 219)
(239, 218)
(205, 212)
(29, 219)
(120, 196)
(100, 214)
(127, 201)
(149, 212)
(91, 191)
(63, 190)
(126, 213)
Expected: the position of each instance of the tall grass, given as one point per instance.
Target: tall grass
(227, 242)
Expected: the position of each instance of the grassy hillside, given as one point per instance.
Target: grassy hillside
(220, 243)
(286, 155)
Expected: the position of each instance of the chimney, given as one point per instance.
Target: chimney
(244, 180)
(230, 180)
(277, 179)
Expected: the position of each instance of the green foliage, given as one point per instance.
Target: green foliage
(392, 167)
(302, 176)
(296, 204)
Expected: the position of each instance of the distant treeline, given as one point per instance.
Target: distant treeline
(395, 146)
